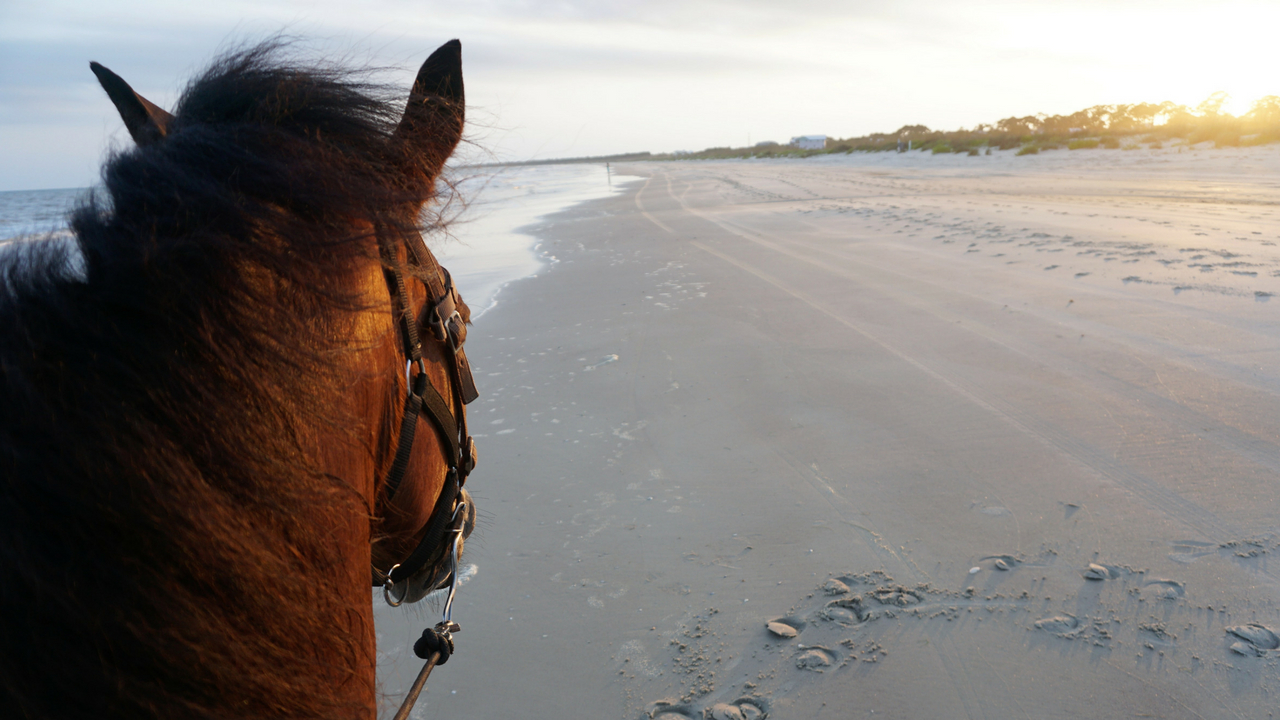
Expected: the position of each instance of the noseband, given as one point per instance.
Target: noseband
(442, 539)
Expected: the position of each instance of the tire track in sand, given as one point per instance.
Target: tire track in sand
(1166, 501)
(950, 657)
(1156, 495)
(962, 673)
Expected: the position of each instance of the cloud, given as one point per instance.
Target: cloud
(562, 77)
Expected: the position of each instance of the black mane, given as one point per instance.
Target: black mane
(152, 483)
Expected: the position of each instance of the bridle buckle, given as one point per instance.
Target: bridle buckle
(387, 586)
(408, 377)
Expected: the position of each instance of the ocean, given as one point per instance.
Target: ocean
(484, 251)
(488, 250)
(36, 212)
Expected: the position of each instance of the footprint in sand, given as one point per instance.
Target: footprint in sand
(1166, 589)
(670, 710)
(835, 587)
(1256, 639)
(1100, 572)
(815, 658)
(1156, 632)
(846, 611)
(1247, 649)
(1002, 562)
(785, 627)
(1058, 624)
(897, 595)
(740, 709)
(1188, 551)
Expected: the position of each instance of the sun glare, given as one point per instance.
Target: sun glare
(1238, 106)
(1183, 53)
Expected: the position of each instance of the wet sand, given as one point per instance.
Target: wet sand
(987, 437)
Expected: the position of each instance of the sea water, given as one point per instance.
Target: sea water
(484, 248)
(36, 212)
(491, 245)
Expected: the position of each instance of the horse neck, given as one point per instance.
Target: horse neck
(361, 451)
(356, 449)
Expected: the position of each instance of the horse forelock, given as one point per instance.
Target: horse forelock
(169, 545)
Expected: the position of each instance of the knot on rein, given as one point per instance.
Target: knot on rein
(434, 640)
(435, 646)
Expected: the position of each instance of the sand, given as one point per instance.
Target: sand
(986, 437)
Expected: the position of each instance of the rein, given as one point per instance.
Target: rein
(449, 515)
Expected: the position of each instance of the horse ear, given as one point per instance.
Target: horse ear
(433, 119)
(146, 122)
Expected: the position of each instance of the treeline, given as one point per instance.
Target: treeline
(1109, 126)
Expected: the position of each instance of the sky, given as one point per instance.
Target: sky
(568, 78)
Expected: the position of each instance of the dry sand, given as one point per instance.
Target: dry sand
(996, 437)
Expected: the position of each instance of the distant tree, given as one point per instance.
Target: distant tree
(910, 132)
(1178, 119)
(1097, 118)
(1212, 105)
(1133, 118)
(1205, 123)
(1028, 125)
(1064, 124)
(1265, 113)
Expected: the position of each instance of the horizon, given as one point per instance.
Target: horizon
(586, 79)
(916, 129)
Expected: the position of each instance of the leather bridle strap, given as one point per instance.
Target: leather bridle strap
(433, 540)
(448, 327)
(422, 395)
(422, 399)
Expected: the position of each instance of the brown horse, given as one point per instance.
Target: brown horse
(205, 442)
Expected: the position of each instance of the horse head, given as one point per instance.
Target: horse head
(272, 390)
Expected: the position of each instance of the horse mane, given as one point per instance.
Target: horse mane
(167, 547)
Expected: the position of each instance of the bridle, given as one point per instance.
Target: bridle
(446, 326)
(444, 530)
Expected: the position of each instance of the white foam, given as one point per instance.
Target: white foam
(490, 250)
(464, 576)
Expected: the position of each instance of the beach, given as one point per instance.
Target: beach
(981, 437)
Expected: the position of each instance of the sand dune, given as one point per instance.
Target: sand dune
(883, 436)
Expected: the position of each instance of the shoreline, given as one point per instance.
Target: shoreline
(492, 246)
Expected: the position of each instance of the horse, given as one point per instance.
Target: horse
(208, 405)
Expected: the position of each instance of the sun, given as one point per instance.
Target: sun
(1239, 105)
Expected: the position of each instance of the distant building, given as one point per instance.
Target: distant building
(810, 142)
